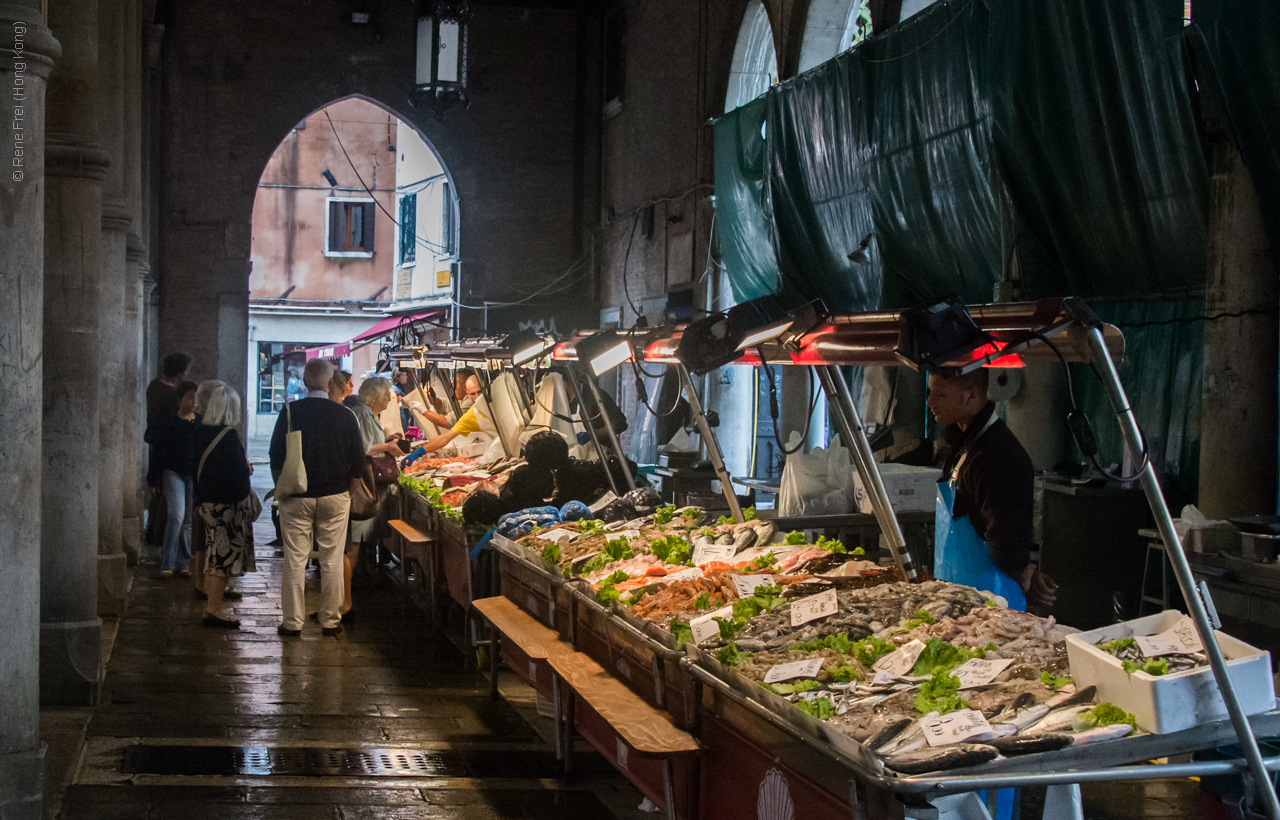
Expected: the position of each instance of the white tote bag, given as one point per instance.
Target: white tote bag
(293, 476)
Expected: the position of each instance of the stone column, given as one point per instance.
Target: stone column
(131, 388)
(116, 216)
(23, 75)
(75, 165)
(1238, 431)
(135, 252)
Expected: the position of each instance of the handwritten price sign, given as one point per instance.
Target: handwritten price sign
(746, 584)
(1181, 640)
(814, 607)
(713, 552)
(979, 671)
(798, 669)
(899, 662)
(955, 727)
(705, 627)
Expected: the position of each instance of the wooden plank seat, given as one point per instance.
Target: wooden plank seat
(414, 549)
(519, 627)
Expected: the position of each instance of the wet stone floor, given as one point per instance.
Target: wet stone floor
(382, 721)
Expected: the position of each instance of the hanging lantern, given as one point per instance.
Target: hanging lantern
(441, 77)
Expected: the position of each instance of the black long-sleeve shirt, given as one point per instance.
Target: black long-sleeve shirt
(225, 477)
(332, 448)
(994, 487)
(171, 447)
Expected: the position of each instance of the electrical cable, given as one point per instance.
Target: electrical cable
(426, 243)
(631, 237)
(643, 396)
(774, 412)
(1268, 311)
(1082, 430)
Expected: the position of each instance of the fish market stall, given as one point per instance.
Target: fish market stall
(814, 683)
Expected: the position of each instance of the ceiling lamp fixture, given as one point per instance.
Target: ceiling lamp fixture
(603, 351)
(941, 338)
(440, 81)
(719, 339)
(523, 346)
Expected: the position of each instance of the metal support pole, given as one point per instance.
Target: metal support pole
(591, 431)
(608, 426)
(855, 438)
(1106, 369)
(713, 446)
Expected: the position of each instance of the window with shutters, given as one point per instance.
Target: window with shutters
(349, 226)
(408, 228)
(446, 219)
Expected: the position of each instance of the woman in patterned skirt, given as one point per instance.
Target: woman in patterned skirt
(225, 506)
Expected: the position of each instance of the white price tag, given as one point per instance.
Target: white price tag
(882, 678)
(798, 669)
(627, 534)
(705, 627)
(955, 727)
(746, 584)
(814, 607)
(683, 575)
(558, 535)
(900, 661)
(605, 500)
(1183, 639)
(978, 671)
(712, 552)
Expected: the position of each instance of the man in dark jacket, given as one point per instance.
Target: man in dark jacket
(333, 455)
(162, 403)
(993, 478)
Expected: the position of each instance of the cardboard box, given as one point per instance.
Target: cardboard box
(1177, 701)
(911, 489)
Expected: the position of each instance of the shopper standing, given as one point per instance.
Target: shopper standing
(162, 402)
(333, 458)
(169, 474)
(225, 504)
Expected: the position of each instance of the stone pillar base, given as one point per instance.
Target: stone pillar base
(70, 662)
(22, 784)
(132, 539)
(113, 584)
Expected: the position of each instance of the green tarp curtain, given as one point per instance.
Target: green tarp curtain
(1074, 113)
(742, 203)
(1098, 149)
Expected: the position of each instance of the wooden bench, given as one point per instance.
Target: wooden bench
(640, 741)
(416, 554)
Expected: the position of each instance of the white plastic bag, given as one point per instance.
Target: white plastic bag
(819, 483)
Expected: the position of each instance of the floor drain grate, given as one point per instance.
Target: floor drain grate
(283, 760)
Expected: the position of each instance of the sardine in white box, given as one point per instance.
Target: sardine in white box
(911, 489)
(1177, 701)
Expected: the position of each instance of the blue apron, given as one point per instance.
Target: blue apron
(960, 556)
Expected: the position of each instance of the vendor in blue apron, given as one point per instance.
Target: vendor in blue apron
(982, 531)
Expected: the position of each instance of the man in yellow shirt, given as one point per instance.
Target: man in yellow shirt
(465, 426)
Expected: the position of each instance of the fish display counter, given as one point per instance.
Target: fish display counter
(840, 684)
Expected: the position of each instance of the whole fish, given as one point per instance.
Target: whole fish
(1068, 696)
(1100, 733)
(951, 756)
(887, 733)
(725, 540)
(1030, 744)
(743, 538)
(909, 739)
(765, 531)
(1020, 719)
(1059, 720)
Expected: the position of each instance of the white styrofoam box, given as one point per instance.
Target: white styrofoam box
(1177, 701)
(911, 489)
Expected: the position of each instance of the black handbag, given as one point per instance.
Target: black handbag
(364, 498)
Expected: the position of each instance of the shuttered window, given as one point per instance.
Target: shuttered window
(408, 228)
(351, 223)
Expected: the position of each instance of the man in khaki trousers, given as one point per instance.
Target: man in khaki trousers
(333, 457)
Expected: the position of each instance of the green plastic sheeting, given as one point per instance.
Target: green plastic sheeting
(1083, 108)
(742, 203)
(1098, 149)
(1161, 373)
(1237, 43)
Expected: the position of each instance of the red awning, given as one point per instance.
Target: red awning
(382, 328)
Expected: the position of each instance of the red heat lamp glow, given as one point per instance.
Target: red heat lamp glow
(1011, 361)
(561, 352)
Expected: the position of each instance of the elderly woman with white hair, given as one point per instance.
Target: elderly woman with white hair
(375, 396)
(224, 502)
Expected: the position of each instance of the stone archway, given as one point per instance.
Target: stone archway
(227, 99)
